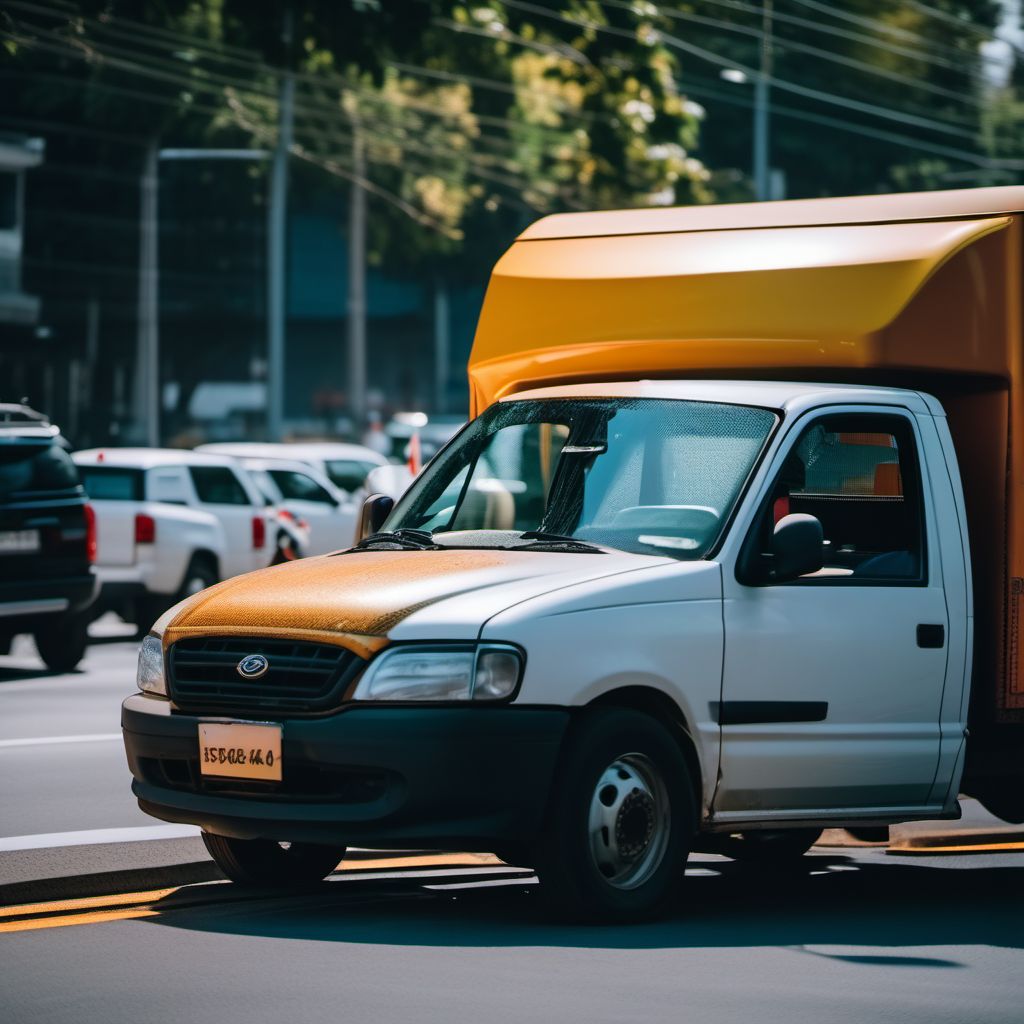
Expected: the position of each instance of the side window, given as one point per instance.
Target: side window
(217, 485)
(167, 485)
(512, 478)
(858, 475)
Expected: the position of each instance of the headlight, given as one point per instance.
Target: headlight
(150, 677)
(489, 672)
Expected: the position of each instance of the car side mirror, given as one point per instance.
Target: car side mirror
(797, 547)
(372, 515)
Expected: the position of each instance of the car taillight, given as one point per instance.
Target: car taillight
(259, 532)
(90, 533)
(145, 529)
(286, 515)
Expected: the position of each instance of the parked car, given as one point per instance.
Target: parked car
(170, 523)
(307, 498)
(47, 540)
(345, 465)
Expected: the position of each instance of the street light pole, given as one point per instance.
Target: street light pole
(147, 355)
(357, 285)
(277, 226)
(762, 174)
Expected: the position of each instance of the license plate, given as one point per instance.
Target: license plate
(240, 750)
(18, 542)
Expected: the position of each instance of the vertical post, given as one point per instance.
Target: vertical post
(442, 346)
(357, 286)
(92, 348)
(277, 226)
(762, 89)
(147, 355)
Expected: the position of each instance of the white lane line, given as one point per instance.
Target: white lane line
(95, 836)
(39, 741)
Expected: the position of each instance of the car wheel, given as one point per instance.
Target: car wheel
(62, 644)
(621, 820)
(198, 576)
(265, 862)
(772, 847)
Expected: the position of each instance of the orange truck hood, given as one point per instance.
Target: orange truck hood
(363, 599)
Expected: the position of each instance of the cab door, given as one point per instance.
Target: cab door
(833, 683)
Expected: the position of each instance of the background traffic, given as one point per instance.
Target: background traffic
(134, 530)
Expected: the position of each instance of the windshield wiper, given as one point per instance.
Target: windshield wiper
(554, 541)
(409, 540)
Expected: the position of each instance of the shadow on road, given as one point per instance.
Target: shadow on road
(833, 900)
(17, 674)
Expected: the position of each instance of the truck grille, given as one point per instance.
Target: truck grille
(301, 677)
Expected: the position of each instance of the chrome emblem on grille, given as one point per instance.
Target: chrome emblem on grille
(252, 666)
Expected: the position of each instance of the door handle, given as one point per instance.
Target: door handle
(931, 635)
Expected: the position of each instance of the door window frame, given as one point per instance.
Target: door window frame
(912, 475)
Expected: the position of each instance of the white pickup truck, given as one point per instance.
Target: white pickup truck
(169, 524)
(628, 613)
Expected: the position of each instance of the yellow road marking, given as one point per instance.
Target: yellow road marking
(86, 903)
(465, 860)
(979, 848)
(35, 923)
(126, 906)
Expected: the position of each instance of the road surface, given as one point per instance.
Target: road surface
(854, 935)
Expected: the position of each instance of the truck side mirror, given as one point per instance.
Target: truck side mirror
(376, 508)
(797, 547)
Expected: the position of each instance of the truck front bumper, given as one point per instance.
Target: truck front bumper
(430, 777)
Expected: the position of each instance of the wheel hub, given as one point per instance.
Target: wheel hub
(629, 823)
(635, 824)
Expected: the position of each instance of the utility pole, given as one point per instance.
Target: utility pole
(277, 227)
(762, 88)
(357, 284)
(147, 347)
(442, 346)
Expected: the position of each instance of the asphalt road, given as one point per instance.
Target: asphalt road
(858, 937)
(62, 765)
(853, 935)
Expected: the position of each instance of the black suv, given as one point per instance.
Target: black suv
(47, 540)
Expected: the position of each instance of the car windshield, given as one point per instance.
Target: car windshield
(649, 476)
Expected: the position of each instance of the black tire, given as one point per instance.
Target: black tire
(625, 767)
(264, 862)
(199, 575)
(1003, 798)
(62, 644)
(773, 847)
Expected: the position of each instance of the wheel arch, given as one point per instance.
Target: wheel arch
(202, 555)
(662, 708)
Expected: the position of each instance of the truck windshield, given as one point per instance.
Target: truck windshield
(649, 476)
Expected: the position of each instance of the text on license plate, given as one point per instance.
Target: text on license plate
(17, 542)
(240, 750)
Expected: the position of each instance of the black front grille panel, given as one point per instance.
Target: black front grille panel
(303, 781)
(302, 677)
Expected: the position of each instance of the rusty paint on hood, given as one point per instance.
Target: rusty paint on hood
(351, 600)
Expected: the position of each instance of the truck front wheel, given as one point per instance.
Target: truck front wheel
(267, 863)
(621, 820)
